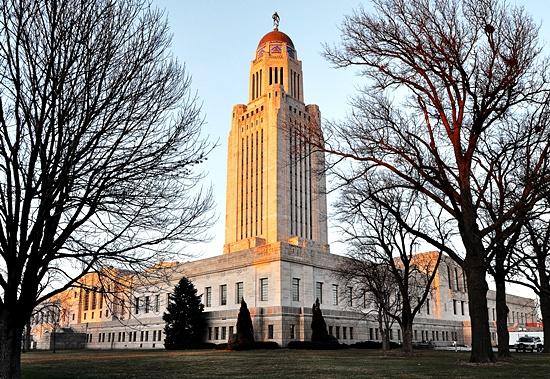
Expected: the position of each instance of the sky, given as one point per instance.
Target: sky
(217, 41)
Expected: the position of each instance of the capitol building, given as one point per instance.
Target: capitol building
(276, 253)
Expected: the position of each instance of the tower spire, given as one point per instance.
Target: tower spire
(276, 20)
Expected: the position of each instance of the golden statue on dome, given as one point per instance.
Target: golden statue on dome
(276, 20)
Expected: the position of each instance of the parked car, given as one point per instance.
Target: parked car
(528, 343)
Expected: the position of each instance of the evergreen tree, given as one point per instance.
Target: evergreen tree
(245, 331)
(185, 323)
(318, 325)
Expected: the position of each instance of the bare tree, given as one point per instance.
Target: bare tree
(374, 293)
(533, 268)
(443, 78)
(383, 258)
(99, 150)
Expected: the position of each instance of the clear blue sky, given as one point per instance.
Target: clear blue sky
(217, 41)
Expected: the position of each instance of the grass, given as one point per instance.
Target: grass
(275, 364)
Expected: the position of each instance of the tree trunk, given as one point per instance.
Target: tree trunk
(502, 318)
(27, 338)
(385, 340)
(407, 331)
(10, 346)
(383, 334)
(545, 311)
(482, 351)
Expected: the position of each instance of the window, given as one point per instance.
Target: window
(86, 299)
(141, 336)
(224, 332)
(135, 336)
(263, 289)
(210, 333)
(427, 306)
(146, 304)
(223, 294)
(216, 333)
(73, 316)
(136, 304)
(92, 317)
(230, 330)
(376, 333)
(335, 294)
(456, 280)
(416, 335)
(330, 330)
(337, 332)
(292, 332)
(146, 335)
(239, 292)
(437, 335)
(208, 297)
(450, 279)
(454, 307)
(371, 334)
(433, 335)
(399, 334)
(493, 314)
(157, 303)
(94, 300)
(295, 289)
(351, 332)
(270, 332)
(319, 291)
(350, 296)
(462, 307)
(345, 333)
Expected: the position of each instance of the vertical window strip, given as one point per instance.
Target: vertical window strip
(251, 189)
(241, 216)
(256, 187)
(253, 85)
(246, 222)
(311, 194)
(291, 179)
(260, 93)
(262, 184)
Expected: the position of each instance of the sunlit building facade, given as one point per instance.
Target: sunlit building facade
(276, 254)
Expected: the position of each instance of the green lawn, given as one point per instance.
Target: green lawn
(274, 364)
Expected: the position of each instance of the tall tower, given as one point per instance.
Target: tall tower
(275, 182)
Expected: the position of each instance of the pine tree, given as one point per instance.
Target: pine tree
(185, 323)
(245, 331)
(318, 325)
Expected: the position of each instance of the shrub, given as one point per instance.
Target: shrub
(318, 325)
(311, 345)
(373, 345)
(266, 345)
(244, 339)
